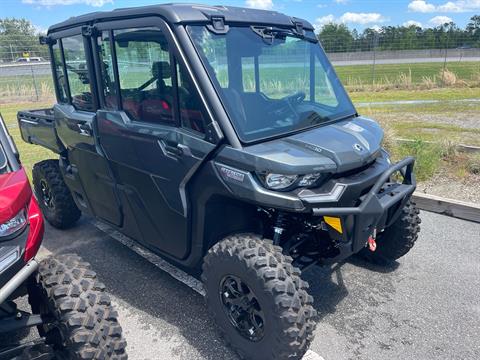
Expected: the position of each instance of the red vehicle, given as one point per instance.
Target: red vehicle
(70, 308)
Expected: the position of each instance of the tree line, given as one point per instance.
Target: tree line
(339, 38)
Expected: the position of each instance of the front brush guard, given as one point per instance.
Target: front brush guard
(378, 209)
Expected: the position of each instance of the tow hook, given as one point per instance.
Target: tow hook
(372, 244)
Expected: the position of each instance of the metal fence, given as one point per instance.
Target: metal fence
(375, 70)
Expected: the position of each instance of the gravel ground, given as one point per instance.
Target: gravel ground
(467, 189)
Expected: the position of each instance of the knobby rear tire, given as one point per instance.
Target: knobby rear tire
(63, 212)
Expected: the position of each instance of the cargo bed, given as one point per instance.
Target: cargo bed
(38, 127)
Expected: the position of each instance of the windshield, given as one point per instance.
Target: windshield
(272, 81)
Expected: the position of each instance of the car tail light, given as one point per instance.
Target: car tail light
(35, 233)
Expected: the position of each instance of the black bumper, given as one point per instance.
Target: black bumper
(378, 209)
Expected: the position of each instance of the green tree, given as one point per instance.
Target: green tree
(473, 29)
(18, 36)
(336, 38)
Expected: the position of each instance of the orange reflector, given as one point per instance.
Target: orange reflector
(334, 222)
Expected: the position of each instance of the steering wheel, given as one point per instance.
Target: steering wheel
(287, 104)
(296, 98)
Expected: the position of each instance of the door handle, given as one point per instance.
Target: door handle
(170, 150)
(173, 150)
(85, 129)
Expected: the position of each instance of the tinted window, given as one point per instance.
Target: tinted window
(191, 110)
(77, 73)
(106, 65)
(59, 72)
(145, 74)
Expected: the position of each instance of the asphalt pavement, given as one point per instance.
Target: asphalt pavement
(426, 306)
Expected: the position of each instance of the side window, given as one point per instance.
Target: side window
(59, 74)
(77, 72)
(106, 65)
(190, 105)
(145, 74)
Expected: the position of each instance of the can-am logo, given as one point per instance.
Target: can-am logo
(232, 174)
(358, 147)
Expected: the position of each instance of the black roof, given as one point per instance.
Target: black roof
(185, 13)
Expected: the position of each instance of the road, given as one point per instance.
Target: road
(426, 306)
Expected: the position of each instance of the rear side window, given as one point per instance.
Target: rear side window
(77, 73)
(59, 73)
(145, 75)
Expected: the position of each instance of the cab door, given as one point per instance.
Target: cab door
(156, 138)
(86, 172)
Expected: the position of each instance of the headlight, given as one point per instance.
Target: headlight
(309, 179)
(282, 182)
(279, 182)
(13, 225)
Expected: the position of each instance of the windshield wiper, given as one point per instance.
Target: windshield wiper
(270, 33)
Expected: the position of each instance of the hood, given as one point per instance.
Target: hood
(337, 147)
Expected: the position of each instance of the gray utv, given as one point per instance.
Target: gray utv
(221, 139)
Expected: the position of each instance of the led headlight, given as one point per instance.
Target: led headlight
(13, 225)
(309, 179)
(279, 181)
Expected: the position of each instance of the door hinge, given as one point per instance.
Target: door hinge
(218, 25)
(89, 31)
(46, 40)
(298, 26)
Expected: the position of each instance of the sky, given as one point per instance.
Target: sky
(357, 14)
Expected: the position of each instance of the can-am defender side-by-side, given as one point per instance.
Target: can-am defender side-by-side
(69, 306)
(221, 139)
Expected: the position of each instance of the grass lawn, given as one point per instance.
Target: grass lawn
(355, 77)
(390, 72)
(403, 95)
(29, 154)
(455, 122)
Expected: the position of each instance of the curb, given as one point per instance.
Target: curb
(454, 208)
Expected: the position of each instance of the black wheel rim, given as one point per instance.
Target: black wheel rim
(242, 308)
(47, 197)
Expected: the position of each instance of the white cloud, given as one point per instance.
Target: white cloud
(412, 23)
(95, 3)
(351, 18)
(362, 18)
(260, 4)
(440, 20)
(341, 1)
(448, 7)
(324, 20)
(421, 6)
